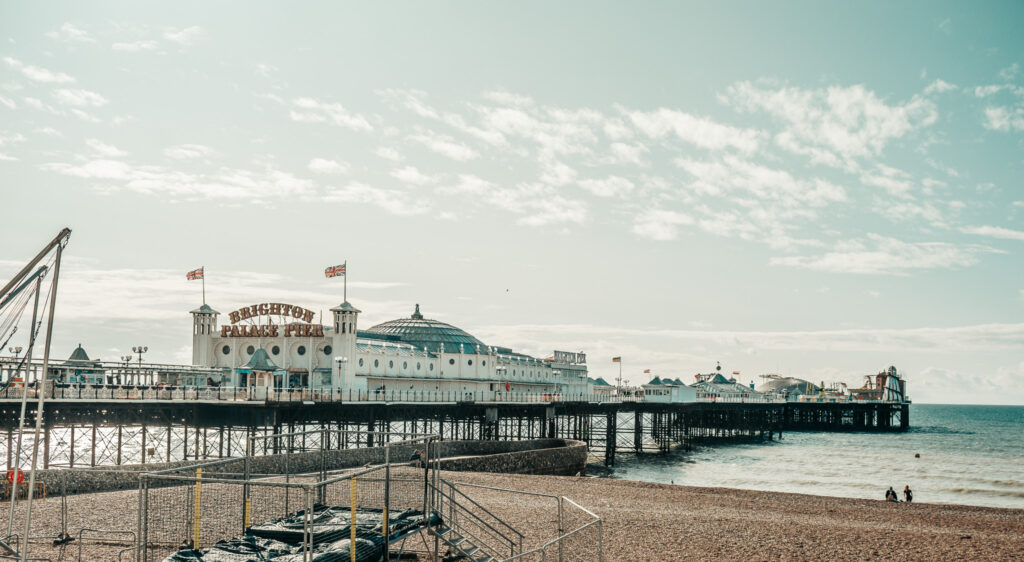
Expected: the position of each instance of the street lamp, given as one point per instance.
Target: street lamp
(126, 359)
(16, 350)
(140, 349)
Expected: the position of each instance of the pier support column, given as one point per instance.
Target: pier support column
(610, 439)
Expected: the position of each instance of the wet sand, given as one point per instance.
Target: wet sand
(646, 521)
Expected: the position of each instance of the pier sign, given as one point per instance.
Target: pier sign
(570, 358)
(301, 325)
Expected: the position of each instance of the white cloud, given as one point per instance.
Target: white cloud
(79, 98)
(1004, 118)
(538, 204)
(733, 174)
(834, 125)
(8, 102)
(38, 74)
(393, 201)
(135, 46)
(994, 232)
(104, 150)
(611, 186)
(411, 175)
(388, 153)
(700, 131)
(883, 255)
(310, 110)
(185, 36)
(658, 224)
(11, 138)
(188, 151)
(68, 33)
(325, 166)
(623, 153)
(1010, 72)
(265, 70)
(444, 145)
(939, 86)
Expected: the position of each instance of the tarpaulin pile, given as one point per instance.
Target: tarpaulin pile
(281, 539)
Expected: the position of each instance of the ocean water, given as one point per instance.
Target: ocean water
(970, 455)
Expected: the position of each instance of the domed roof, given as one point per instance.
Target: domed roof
(788, 385)
(431, 335)
(79, 355)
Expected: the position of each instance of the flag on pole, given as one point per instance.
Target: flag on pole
(335, 271)
(616, 360)
(647, 371)
(194, 274)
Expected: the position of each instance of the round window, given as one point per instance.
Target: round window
(451, 361)
(405, 364)
(360, 361)
(275, 350)
(250, 350)
(376, 362)
(301, 350)
(417, 366)
(226, 349)
(431, 366)
(469, 362)
(327, 350)
(391, 364)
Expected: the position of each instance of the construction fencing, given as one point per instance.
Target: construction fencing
(306, 507)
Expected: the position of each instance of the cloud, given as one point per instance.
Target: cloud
(68, 33)
(324, 166)
(38, 74)
(611, 186)
(79, 98)
(835, 125)
(732, 174)
(8, 102)
(537, 204)
(444, 145)
(135, 46)
(188, 151)
(390, 200)
(104, 150)
(310, 110)
(388, 153)
(411, 175)
(658, 224)
(939, 86)
(1010, 72)
(1004, 118)
(994, 232)
(700, 131)
(185, 36)
(881, 255)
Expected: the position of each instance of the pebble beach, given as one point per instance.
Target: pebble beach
(647, 521)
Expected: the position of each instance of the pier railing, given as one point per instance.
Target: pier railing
(256, 394)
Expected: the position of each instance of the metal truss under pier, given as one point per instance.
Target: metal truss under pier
(80, 433)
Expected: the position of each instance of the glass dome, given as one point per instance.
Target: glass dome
(431, 335)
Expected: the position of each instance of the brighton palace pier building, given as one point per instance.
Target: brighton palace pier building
(278, 347)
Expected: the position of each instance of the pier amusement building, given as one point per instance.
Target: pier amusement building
(278, 346)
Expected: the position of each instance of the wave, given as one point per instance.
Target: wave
(988, 492)
(938, 429)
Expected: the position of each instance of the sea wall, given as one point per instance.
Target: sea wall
(536, 456)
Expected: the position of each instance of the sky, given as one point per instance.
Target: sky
(814, 189)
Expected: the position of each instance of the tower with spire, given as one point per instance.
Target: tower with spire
(343, 363)
(204, 327)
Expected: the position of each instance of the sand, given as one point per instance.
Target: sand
(645, 521)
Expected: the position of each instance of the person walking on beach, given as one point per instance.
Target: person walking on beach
(907, 494)
(890, 495)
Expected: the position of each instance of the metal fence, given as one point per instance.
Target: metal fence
(225, 506)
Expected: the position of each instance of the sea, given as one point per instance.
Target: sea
(971, 455)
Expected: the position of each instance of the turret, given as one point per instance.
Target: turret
(343, 368)
(204, 328)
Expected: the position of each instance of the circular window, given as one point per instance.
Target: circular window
(250, 350)
(431, 366)
(451, 361)
(405, 364)
(391, 364)
(275, 350)
(328, 350)
(301, 350)
(417, 366)
(360, 361)
(469, 362)
(376, 362)
(226, 349)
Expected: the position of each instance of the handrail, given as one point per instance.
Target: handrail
(480, 521)
(477, 504)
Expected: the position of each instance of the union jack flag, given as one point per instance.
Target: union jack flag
(335, 271)
(194, 274)
(647, 371)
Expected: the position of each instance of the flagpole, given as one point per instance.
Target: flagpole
(345, 275)
(204, 284)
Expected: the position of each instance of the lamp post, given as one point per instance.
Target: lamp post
(16, 350)
(126, 359)
(340, 360)
(140, 349)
